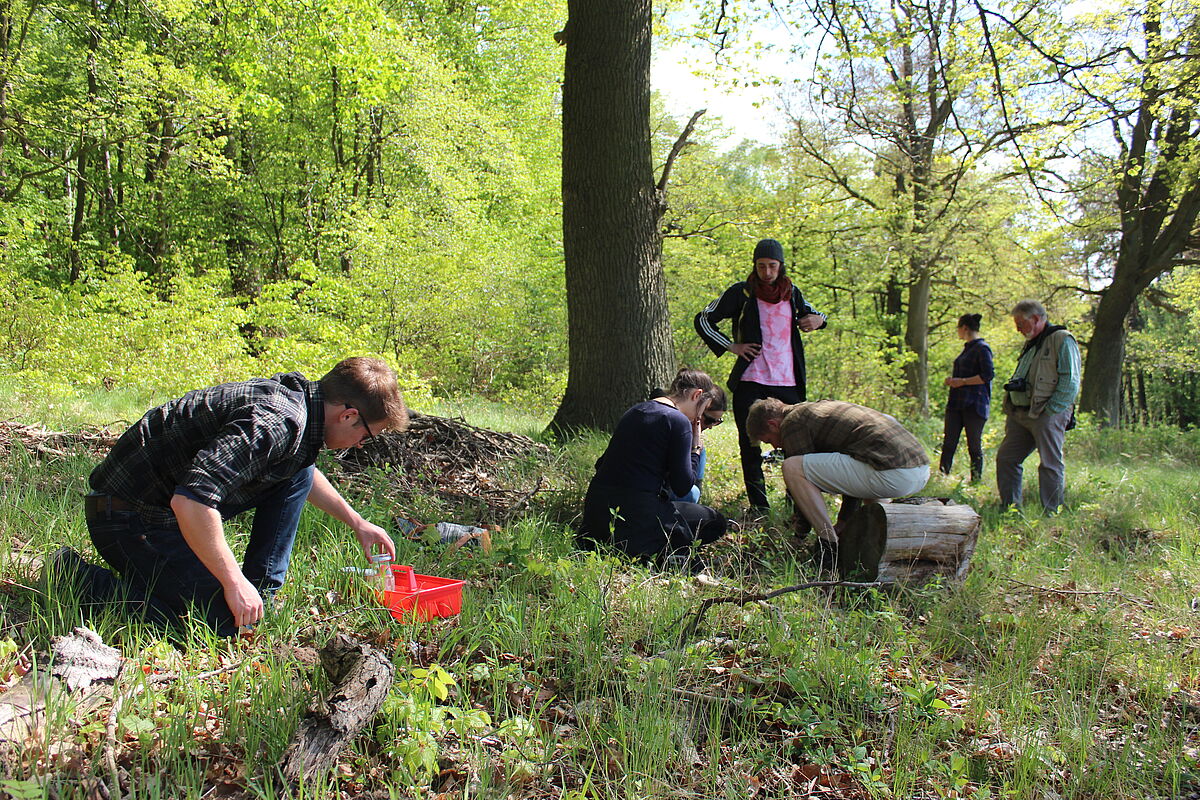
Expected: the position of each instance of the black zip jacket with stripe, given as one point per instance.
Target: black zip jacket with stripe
(736, 304)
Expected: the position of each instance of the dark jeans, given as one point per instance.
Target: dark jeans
(958, 420)
(752, 472)
(162, 579)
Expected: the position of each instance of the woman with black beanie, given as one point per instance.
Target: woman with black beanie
(970, 398)
(768, 314)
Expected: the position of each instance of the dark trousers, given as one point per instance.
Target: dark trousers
(744, 396)
(957, 421)
(645, 525)
(161, 578)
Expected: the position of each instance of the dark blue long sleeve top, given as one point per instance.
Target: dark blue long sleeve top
(650, 447)
(975, 359)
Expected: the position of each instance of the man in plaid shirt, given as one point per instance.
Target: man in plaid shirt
(160, 497)
(843, 448)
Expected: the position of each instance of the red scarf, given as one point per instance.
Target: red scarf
(771, 293)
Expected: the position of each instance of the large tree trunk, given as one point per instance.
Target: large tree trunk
(1158, 197)
(618, 327)
(1101, 392)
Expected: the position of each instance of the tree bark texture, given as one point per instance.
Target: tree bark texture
(916, 335)
(619, 330)
(362, 676)
(1101, 392)
(908, 542)
(1158, 199)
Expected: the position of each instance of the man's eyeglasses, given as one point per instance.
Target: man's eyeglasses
(363, 420)
(710, 422)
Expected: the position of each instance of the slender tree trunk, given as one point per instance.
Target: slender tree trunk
(81, 161)
(108, 200)
(245, 275)
(916, 337)
(920, 288)
(1128, 407)
(77, 214)
(6, 59)
(160, 148)
(1143, 408)
(618, 326)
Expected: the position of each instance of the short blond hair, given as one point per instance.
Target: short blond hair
(760, 416)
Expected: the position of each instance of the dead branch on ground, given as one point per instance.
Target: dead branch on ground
(742, 599)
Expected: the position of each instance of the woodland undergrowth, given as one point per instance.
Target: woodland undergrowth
(1064, 667)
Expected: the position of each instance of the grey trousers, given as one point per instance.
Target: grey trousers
(1022, 435)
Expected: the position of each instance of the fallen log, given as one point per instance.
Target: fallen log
(908, 542)
(363, 677)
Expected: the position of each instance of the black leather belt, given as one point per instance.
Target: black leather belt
(102, 505)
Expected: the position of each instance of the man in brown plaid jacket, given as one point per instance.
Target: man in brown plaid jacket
(837, 447)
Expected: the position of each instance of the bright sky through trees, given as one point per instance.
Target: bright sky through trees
(689, 76)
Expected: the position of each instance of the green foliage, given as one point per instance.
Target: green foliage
(1162, 383)
(250, 187)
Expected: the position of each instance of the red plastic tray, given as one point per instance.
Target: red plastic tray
(434, 597)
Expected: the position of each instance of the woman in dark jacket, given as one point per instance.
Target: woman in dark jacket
(970, 398)
(768, 315)
(653, 452)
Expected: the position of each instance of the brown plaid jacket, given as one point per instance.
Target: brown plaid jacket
(867, 435)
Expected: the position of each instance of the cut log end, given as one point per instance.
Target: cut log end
(908, 543)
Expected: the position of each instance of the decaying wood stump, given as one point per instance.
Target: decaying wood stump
(363, 678)
(908, 542)
(81, 667)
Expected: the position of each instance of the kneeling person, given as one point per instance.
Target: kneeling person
(842, 448)
(653, 454)
(159, 499)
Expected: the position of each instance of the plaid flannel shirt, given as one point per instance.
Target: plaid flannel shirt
(864, 434)
(223, 446)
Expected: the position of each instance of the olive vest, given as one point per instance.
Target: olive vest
(1041, 377)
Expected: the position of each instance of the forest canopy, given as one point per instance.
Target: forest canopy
(199, 191)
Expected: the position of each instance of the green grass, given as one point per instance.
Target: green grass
(565, 675)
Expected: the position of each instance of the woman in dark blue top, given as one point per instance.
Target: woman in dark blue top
(970, 397)
(654, 451)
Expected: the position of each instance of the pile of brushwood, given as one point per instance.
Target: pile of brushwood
(490, 474)
(95, 441)
(494, 475)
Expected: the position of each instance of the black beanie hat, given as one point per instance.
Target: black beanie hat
(769, 248)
